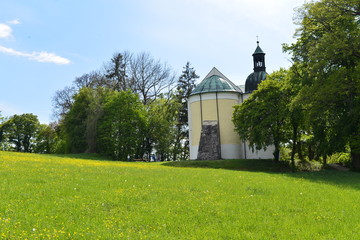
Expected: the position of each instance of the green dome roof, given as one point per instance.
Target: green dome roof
(215, 82)
(253, 80)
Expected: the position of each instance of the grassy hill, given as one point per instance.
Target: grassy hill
(59, 197)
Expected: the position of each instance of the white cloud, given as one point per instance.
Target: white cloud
(5, 31)
(48, 57)
(36, 56)
(13, 22)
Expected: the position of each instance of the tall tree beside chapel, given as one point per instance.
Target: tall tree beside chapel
(262, 118)
(185, 86)
(327, 57)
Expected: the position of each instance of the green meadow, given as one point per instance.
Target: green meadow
(69, 197)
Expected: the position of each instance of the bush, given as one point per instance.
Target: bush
(342, 158)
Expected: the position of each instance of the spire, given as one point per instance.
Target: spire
(259, 59)
(259, 73)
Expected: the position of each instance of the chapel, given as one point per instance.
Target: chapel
(210, 108)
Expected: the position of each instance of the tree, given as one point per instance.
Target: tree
(2, 137)
(150, 77)
(262, 118)
(75, 122)
(80, 123)
(46, 139)
(1, 130)
(295, 112)
(80, 106)
(20, 130)
(185, 86)
(63, 101)
(122, 127)
(327, 52)
(92, 80)
(161, 121)
(117, 71)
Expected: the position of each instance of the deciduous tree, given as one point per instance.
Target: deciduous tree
(122, 128)
(151, 78)
(21, 130)
(327, 52)
(262, 118)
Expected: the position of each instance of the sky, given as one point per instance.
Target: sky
(46, 44)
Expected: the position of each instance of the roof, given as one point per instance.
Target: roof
(253, 80)
(215, 81)
(258, 49)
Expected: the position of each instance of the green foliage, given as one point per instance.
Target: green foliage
(161, 121)
(121, 129)
(46, 139)
(81, 106)
(1, 129)
(326, 57)
(261, 119)
(20, 131)
(343, 158)
(48, 197)
(185, 85)
(75, 122)
(116, 72)
(80, 123)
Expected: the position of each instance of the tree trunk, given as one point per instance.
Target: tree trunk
(299, 146)
(324, 160)
(276, 154)
(355, 150)
(293, 150)
(355, 159)
(311, 153)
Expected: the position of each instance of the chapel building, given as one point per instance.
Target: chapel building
(210, 105)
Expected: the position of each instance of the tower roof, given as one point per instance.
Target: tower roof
(258, 49)
(215, 81)
(259, 74)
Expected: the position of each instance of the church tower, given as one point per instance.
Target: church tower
(259, 73)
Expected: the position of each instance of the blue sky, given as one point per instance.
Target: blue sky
(46, 44)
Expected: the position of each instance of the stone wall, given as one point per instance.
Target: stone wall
(209, 146)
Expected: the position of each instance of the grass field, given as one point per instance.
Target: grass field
(54, 197)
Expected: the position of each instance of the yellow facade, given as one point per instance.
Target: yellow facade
(227, 133)
(215, 107)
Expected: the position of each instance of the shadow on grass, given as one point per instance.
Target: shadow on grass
(253, 165)
(327, 176)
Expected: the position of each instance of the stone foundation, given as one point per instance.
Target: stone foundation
(209, 146)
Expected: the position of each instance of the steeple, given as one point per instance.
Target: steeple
(259, 59)
(259, 73)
